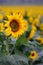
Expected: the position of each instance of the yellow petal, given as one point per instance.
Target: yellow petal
(8, 31)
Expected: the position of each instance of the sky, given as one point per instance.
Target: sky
(16, 2)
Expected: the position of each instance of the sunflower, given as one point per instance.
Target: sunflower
(1, 27)
(16, 26)
(41, 26)
(36, 21)
(33, 55)
(32, 33)
(40, 40)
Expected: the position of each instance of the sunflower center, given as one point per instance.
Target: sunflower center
(33, 54)
(14, 25)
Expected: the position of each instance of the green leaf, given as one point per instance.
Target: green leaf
(28, 32)
(21, 40)
(2, 37)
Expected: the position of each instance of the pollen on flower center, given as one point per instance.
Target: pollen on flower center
(14, 25)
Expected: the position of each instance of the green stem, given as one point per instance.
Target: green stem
(7, 50)
(12, 49)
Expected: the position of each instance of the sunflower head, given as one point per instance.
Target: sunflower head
(16, 26)
(40, 40)
(33, 55)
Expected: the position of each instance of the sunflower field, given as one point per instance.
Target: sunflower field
(21, 35)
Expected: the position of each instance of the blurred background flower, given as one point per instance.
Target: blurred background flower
(33, 55)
